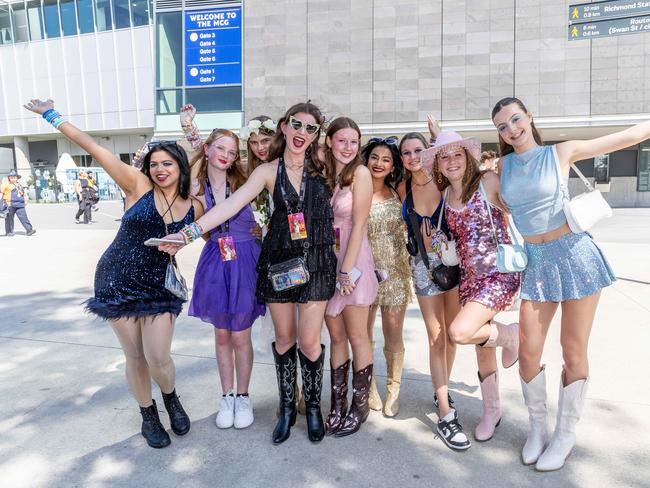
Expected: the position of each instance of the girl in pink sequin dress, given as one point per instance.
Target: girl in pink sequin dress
(484, 291)
(347, 311)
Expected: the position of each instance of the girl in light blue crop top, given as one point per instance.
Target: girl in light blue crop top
(562, 268)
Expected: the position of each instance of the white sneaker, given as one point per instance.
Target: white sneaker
(243, 412)
(226, 414)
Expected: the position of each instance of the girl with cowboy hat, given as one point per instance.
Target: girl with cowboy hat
(477, 218)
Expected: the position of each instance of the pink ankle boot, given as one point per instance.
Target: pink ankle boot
(491, 417)
(506, 337)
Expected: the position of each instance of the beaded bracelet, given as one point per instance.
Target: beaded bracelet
(343, 278)
(191, 232)
(53, 117)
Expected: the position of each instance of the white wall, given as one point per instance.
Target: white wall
(100, 81)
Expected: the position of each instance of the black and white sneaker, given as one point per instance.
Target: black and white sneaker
(452, 404)
(450, 431)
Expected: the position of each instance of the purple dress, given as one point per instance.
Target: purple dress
(224, 291)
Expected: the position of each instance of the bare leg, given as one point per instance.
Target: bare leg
(243, 346)
(486, 357)
(577, 320)
(157, 334)
(534, 321)
(472, 324)
(372, 314)
(392, 323)
(225, 359)
(339, 352)
(433, 313)
(137, 371)
(310, 317)
(452, 307)
(355, 320)
(285, 324)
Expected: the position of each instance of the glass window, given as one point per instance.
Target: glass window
(103, 17)
(168, 101)
(85, 13)
(68, 17)
(169, 64)
(6, 36)
(121, 14)
(139, 12)
(35, 17)
(19, 17)
(219, 99)
(51, 16)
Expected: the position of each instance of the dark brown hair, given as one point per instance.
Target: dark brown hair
(253, 160)
(485, 155)
(179, 155)
(413, 135)
(505, 148)
(471, 178)
(279, 143)
(235, 174)
(347, 175)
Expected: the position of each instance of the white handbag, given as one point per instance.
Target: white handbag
(585, 210)
(448, 254)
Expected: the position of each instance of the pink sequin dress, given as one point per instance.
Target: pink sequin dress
(366, 290)
(480, 281)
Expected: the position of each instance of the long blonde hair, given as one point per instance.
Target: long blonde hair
(199, 164)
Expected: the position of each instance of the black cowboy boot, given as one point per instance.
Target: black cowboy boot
(339, 403)
(359, 410)
(152, 429)
(179, 420)
(312, 386)
(285, 369)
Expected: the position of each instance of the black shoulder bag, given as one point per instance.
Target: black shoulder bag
(445, 277)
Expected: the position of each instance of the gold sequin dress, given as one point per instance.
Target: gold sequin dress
(387, 235)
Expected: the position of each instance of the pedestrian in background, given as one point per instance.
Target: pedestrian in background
(15, 199)
(82, 187)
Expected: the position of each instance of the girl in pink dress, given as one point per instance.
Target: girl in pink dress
(347, 311)
(472, 203)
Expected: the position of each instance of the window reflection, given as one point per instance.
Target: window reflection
(51, 17)
(103, 17)
(35, 17)
(139, 12)
(121, 14)
(169, 66)
(85, 12)
(19, 17)
(5, 25)
(168, 101)
(68, 17)
(217, 99)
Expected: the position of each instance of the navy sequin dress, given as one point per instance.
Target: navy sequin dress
(130, 277)
(278, 245)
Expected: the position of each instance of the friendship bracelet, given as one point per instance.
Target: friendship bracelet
(191, 232)
(53, 117)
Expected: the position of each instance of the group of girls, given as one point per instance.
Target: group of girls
(338, 225)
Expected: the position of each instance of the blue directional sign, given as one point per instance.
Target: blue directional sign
(213, 47)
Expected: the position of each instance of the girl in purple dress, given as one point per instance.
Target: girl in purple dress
(224, 283)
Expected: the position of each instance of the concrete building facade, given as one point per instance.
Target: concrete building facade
(385, 63)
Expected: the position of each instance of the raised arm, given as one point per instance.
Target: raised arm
(257, 181)
(571, 151)
(189, 128)
(126, 177)
(361, 202)
(434, 126)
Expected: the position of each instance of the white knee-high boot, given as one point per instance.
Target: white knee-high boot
(570, 407)
(535, 399)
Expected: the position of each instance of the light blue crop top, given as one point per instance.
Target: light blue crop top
(529, 186)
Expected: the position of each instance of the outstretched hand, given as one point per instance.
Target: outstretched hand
(38, 106)
(172, 248)
(187, 114)
(434, 126)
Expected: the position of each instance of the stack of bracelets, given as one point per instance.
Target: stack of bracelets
(344, 278)
(54, 118)
(192, 135)
(191, 232)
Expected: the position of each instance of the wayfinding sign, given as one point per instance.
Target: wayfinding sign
(609, 28)
(213, 47)
(607, 10)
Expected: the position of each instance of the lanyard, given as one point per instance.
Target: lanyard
(303, 184)
(214, 203)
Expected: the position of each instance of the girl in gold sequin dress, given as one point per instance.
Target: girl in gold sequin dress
(387, 235)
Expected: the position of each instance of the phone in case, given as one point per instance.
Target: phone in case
(355, 274)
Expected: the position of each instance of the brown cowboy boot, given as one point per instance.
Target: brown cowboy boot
(359, 410)
(339, 402)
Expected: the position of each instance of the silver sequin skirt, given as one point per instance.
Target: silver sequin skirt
(568, 268)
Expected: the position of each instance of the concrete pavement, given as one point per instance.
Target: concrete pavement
(67, 418)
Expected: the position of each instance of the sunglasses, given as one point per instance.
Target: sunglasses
(154, 144)
(391, 141)
(297, 124)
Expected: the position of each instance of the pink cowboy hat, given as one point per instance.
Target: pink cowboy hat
(448, 140)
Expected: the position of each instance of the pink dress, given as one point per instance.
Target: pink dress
(480, 281)
(366, 290)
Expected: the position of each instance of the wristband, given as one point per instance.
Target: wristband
(53, 117)
(191, 232)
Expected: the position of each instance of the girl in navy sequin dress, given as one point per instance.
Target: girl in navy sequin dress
(297, 180)
(130, 278)
(471, 202)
